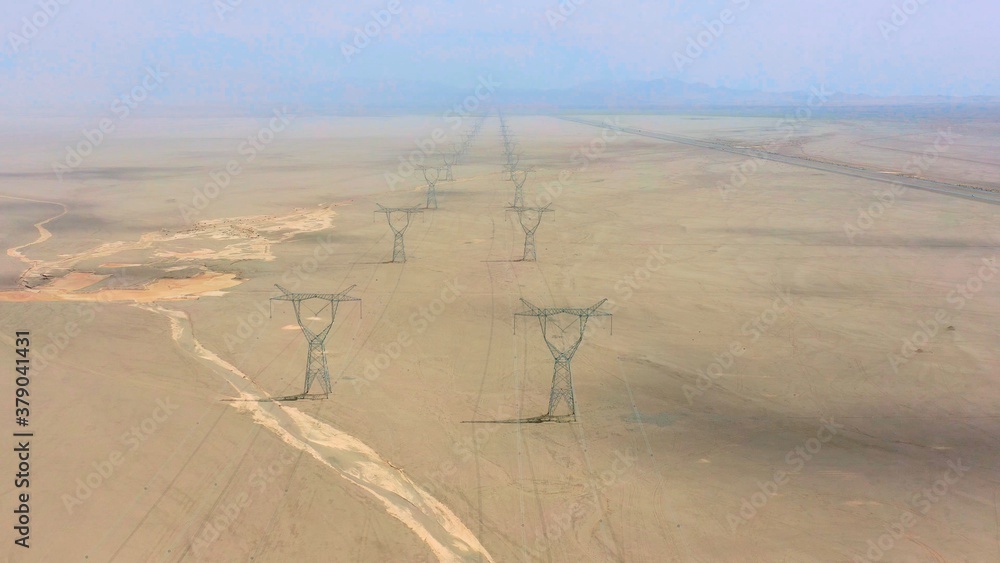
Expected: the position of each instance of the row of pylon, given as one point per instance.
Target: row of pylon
(432, 175)
(562, 404)
(530, 217)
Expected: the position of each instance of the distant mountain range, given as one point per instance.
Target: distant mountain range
(633, 95)
(358, 97)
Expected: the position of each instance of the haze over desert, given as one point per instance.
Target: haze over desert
(567, 281)
(776, 365)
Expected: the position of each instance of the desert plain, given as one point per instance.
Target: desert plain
(799, 366)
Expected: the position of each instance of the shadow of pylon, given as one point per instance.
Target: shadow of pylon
(299, 397)
(531, 420)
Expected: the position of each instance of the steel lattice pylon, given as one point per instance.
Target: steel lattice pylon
(519, 177)
(530, 218)
(431, 175)
(448, 177)
(562, 375)
(398, 246)
(511, 166)
(316, 365)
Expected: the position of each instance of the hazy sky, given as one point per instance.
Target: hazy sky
(91, 51)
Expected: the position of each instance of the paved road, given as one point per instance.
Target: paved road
(889, 178)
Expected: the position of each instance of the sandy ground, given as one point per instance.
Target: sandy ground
(963, 150)
(784, 380)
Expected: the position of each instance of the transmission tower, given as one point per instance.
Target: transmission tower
(448, 163)
(519, 177)
(431, 175)
(512, 161)
(508, 147)
(562, 376)
(398, 248)
(316, 366)
(530, 218)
